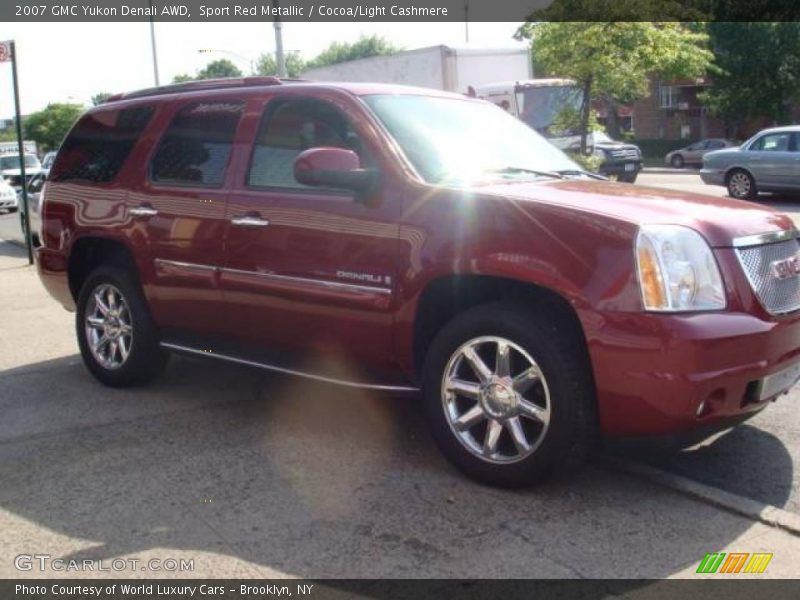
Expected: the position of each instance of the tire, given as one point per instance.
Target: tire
(565, 426)
(628, 177)
(677, 161)
(145, 359)
(741, 185)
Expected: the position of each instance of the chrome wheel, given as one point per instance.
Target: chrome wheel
(739, 185)
(496, 400)
(109, 326)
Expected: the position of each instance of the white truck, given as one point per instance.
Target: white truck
(449, 68)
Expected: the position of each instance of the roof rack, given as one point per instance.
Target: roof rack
(202, 84)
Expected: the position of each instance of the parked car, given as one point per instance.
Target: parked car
(8, 197)
(35, 188)
(47, 161)
(621, 160)
(401, 240)
(769, 162)
(11, 171)
(693, 153)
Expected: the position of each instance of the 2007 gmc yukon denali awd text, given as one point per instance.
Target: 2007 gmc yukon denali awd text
(429, 242)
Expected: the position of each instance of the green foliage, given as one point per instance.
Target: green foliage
(568, 120)
(182, 78)
(588, 162)
(8, 135)
(364, 47)
(49, 126)
(218, 69)
(266, 64)
(615, 60)
(100, 97)
(756, 71)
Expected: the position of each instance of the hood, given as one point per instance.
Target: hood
(719, 220)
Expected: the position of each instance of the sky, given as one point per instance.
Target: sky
(70, 62)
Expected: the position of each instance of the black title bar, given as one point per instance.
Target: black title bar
(398, 10)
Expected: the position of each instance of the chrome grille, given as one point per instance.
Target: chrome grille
(777, 295)
(625, 153)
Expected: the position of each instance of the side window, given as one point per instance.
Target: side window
(98, 145)
(288, 128)
(197, 144)
(715, 145)
(774, 142)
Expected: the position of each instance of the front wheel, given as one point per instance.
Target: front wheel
(116, 334)
(677, 161)
(508, 394)
(629, 177)
(741, 185)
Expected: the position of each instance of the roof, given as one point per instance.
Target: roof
(256, 83)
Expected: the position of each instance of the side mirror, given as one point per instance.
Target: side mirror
(335, 168)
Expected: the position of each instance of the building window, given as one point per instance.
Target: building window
(668, 96)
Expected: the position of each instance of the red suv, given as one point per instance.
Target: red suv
(408, 240)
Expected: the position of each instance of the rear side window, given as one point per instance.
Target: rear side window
(197, 145)
(98, 145)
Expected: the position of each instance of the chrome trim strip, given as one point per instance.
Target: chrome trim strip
(765, 238)
(268, 367)
(319, 282)
(183, 265)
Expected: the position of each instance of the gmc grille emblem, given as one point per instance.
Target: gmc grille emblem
(786, 268)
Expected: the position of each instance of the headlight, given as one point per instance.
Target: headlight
(677, 270)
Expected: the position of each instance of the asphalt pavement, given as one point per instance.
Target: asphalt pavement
(255, 475)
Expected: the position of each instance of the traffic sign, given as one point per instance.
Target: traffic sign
(5, 51)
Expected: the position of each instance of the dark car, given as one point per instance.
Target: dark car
(621, 160)
(407, 241)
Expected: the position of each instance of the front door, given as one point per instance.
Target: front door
(771, 159)
(307, 268)
(178, 207)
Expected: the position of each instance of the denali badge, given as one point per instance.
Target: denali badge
(786, 268)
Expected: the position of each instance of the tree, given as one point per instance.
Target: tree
(756, 72)
(613, 62)
(364, 47)
(100, 97)
(218, 69)
(49, 126)
(266, 64)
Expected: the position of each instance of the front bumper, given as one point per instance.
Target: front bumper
(712, 176)
(654, 372)
(9, 202)
(621, 168)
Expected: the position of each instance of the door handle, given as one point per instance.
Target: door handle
(249, 221)
(143, 211)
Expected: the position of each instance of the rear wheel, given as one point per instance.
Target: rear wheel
(508, 395)
(116, 334)
(741, 185)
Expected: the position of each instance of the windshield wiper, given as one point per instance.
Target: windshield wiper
(567, 172)
(509, 170)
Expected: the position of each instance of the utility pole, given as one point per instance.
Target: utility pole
(280, 59)
(466, 21)
(153, 44)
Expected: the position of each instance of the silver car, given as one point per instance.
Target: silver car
(769, 162)
(693, 153)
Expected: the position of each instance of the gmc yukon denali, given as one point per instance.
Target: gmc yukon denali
(416, 242)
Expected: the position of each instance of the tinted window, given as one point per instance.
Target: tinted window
(196, 146)
(715, 144)
(291, 126)
(98, 145)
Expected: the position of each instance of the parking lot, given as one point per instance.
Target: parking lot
(256, 475)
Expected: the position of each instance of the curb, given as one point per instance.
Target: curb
(669, 171)
(765, 513)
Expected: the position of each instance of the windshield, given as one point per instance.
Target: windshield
(539, 106)
(454, 141)
(12, 162)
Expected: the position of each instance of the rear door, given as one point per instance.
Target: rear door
(771, 159)
(177, 206)
(306, 268)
